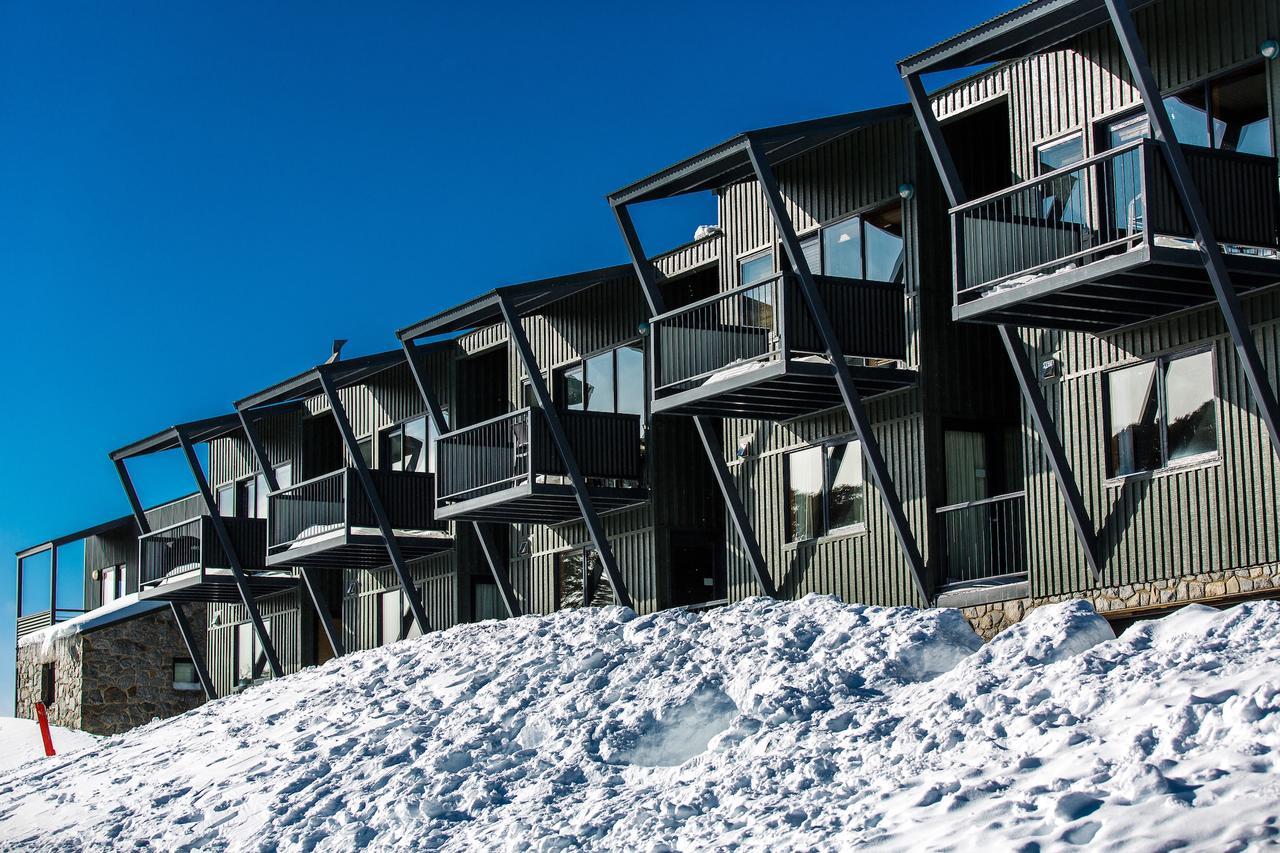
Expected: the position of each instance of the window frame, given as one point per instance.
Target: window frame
(386, 433)
(194, 683)
(1161, 361)
(754, 254)
(559, 392)
(861, 214)
(827, 533)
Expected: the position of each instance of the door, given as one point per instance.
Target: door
(697, 569)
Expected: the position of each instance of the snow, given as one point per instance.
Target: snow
(20, 742)
(122, 609)
(763, 725)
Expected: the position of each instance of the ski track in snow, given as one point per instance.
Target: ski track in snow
(765, 725)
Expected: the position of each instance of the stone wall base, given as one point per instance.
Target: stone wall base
(1139, 599)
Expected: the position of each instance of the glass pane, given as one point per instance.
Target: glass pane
(846, 503)
(842, 249)
(284, 475)
(599, 384)
(1241, 121)
(184, 672)
(574, 396)
(110, 587)
(1190, 117)
(389, 617)
(1124, 176)
(569, 580)
(486, 603)
(415, 445)
(244, 652)
(395, 450)
(811, 247)
(249, 504)
(631, 380)
(226, 500)
(366, 450)
(804, 493)
(1191, 417)
(260, 496)
(758, 267)
(885, 250)
(601, 591)
(1134, 415)
(36, 571)
(1062, 198)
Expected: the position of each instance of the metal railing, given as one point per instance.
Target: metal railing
(984, 539)
(1102, 206)
(514, 449)
(310, 508)
(29, 623)
(731, 332)
(337, 501)
(171, 550)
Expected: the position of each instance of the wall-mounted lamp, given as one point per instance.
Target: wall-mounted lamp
(216, 620)
(353, 588)
(1048, 369)
(1270, 48)
(642, 329)
(907, 190)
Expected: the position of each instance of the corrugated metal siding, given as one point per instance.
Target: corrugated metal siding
(533, 575)
(691, 256)
(291, 625)
(104, 551)
(435, 578)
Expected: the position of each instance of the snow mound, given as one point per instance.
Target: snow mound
(20, 742)
(765, 725)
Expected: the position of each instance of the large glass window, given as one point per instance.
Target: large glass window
(251, 502)
(395, 617)
(486, 603)
(112, 584)
(251, 657)
(1160, 413)
(226, 500)
(580, 580)
(826, 490)
(612, 381)
(868, 246)
(758, 302)
(755, 268)
(408, 447)
(1062, 198)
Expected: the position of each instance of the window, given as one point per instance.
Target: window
(251, 657)
(580, 580)
(251, 500)
(1062, 198)
(226, 500)
(184, 675)
(826, 491)
(365, 446)
(755, 268)
(1228, 112)
(611, 381)
(1161, 413)
(868, 246)
(486, 603)
(48, 691)
(409, 446)
(395, 617)
(112, 584)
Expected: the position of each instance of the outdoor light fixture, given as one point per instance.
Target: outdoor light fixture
(353, 588)
(1270, 48)
(642, 329)
(216, 620)
(906, 190)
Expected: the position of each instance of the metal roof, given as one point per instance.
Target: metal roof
(729, 162)
(167, 439)
(1027, 29)
(127, 521)
(344, 374)
(526, 299)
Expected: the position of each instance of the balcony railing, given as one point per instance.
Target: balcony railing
(732, 332)
(193, 545)
(29, 623)
(984, 539)
(337, 502)
(516, 449)
(1103, 206)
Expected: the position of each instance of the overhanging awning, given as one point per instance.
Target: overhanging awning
(525, 299)
(1030, 28)
(167, 439)
(343, 374)
(728, 162)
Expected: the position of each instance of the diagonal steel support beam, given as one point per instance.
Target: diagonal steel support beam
(844, 380)
(724, 480)
(1053, 450)
(375, 500)
(1030, 389)
(318, 600)
(589, 516)
(1255, 371)
(135, 505)
(484, 533)
(229, 548)
(193, 649)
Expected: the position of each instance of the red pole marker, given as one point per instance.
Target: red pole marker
(44, 729)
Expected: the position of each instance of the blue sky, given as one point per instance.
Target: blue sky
(199, 197)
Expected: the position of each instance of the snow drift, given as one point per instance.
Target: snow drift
(809, 724)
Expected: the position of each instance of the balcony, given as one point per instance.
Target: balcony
(1104, 243)
(984, 541)
(186, 561)
(328, 523)
(507, 469)
(29, 623)
(755, 352)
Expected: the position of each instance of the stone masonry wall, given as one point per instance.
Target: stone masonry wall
(990, 619)
(65, 655)
(128, 672)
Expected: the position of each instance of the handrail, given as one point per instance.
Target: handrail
(509, 415)
(1056, 173)
(981, 501)
(335, 473)
(174, 526)
(720, 296)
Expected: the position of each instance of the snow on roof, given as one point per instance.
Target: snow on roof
(121, 610)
